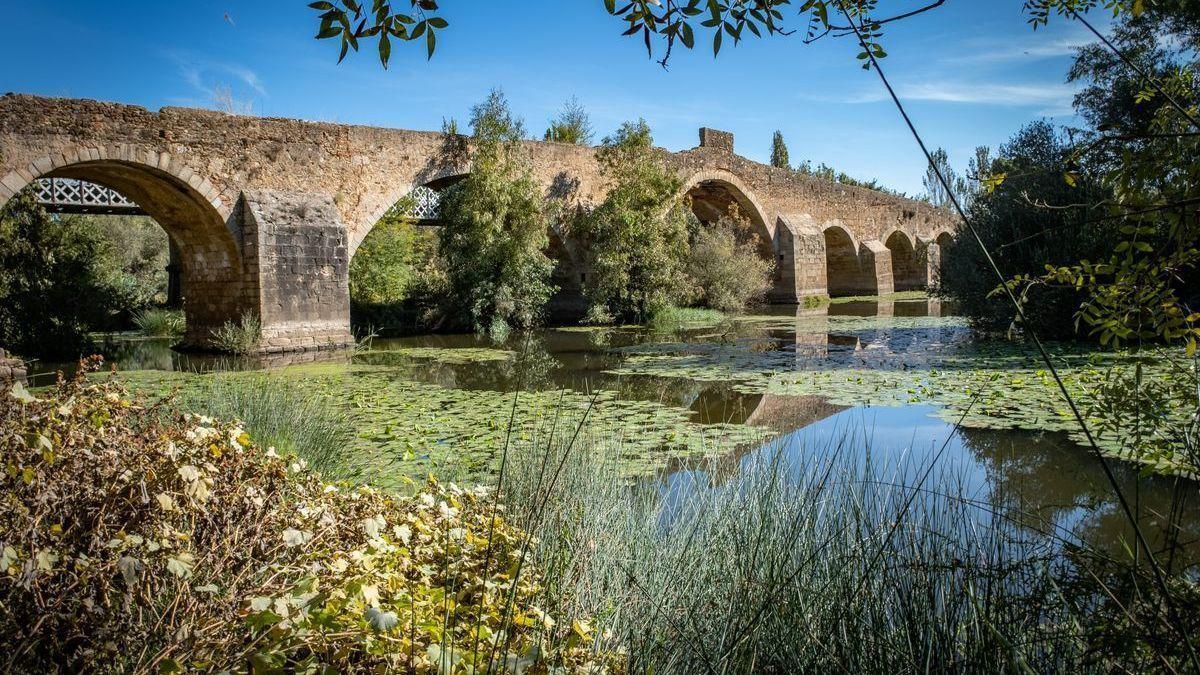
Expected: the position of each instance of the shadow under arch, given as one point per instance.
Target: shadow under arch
(190, 209)
(907, 272)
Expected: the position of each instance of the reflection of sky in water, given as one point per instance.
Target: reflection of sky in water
(1041, 483)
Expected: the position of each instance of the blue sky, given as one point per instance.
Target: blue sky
(972, 71)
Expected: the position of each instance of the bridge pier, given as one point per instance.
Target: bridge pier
(297, 264)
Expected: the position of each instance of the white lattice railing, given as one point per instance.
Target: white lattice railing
(71, 195)
(427, 203)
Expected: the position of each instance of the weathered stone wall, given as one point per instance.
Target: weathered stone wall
(229, 190)
(297, 258)
(11, 369)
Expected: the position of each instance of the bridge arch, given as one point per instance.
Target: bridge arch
(843, 267)
(185, 204)
(943, 238)
(713, 192)
(907, 272)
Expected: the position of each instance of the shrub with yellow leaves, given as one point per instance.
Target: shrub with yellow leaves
(133, 541)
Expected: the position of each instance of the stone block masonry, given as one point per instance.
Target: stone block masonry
(266, 213)
(11, 370)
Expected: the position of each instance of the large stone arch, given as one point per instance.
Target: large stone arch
(438, 179)
(908, 271)
(719, 188)
(200, 224)
(712, 193)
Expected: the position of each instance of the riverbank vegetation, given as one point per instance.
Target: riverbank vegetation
(135, 540)
(159, 322)
(49, 264)
(889, 567)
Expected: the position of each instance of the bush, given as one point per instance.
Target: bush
(494, 233)
(725, 265)
(637, 239)
(239, 337)
(135, 262)
(161, 322)
(131, 545)
(63, 277)
(392, 260)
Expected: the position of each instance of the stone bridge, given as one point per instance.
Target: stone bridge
(266, 213)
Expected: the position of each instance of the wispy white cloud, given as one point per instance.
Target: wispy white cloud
(1050, 99)
(213, 79)
(1034, 48)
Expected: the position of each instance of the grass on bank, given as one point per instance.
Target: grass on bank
(814, 301)
(672, 319)
(825, 562)
(278, 413)
(161, 322)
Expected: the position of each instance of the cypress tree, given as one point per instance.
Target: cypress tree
(779, 152)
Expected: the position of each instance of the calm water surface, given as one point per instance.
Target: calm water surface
(1042, 480)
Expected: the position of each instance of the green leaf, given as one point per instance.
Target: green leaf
(686, 35)
(385, 49)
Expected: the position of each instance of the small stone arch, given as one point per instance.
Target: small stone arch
(940, 249)
(843, 266)
(200, 223)
(908, 272)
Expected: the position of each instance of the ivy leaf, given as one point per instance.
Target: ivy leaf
(181, 565)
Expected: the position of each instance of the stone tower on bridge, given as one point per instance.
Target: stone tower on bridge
(266, 213)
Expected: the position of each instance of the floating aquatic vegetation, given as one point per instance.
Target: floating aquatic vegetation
(406, 428)
(916, 360)
(454, 356)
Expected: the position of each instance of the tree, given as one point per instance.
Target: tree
(494, 232)
(572, 125)
(637, 239)
(779, 152)
(56, 281)
(1140, 95)
(934, 190)
(391, 259)
(1025, 237)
